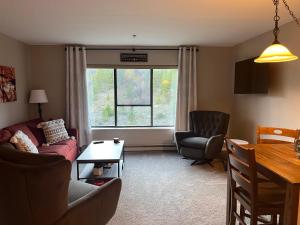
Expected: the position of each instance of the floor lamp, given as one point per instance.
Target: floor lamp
(39, 97)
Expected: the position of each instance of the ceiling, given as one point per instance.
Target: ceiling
(155, 22)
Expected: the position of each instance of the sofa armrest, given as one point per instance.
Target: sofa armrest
(214, 146)
(95, 208)
(73, 132)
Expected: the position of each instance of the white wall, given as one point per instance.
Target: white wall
(215, 86)
(14, 53)
(48, 72)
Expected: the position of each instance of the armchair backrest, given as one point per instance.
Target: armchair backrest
(34, 188)
(208, 123)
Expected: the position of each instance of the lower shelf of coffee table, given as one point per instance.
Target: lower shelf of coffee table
(86, 171)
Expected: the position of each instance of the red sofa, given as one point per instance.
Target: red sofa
(68, 148)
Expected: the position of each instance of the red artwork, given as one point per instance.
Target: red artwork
(7, 84)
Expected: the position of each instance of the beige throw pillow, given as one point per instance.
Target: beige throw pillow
(54, 131)
(23, 142)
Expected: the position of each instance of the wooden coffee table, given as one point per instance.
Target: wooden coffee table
(107, 152)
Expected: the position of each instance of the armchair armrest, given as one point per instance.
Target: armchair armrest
(95, 208)
(214, 146)
(180, 135)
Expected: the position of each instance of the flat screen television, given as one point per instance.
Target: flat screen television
(251, 77)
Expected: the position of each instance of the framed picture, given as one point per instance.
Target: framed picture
(8, 91)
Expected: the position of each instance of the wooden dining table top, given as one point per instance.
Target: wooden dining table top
(281, 159)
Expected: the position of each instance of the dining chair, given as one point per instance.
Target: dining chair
(273, 135)
(255, 198)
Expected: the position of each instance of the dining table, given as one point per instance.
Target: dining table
(279, 163)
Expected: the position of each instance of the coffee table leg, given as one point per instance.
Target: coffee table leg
(123, 159)
(77, 170)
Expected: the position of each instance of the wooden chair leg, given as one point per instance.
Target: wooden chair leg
(274, 219)
(242, 214)
(281, 218)
(224, 165)
(232, 210)
(253, 219)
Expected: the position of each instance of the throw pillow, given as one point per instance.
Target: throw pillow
(25, 129)
(23, 142)
(54, 131)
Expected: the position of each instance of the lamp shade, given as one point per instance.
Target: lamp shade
(38, 96)
(276, 53)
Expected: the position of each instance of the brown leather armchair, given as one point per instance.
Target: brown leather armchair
(37, 190)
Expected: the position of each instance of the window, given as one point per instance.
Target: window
(132, 97)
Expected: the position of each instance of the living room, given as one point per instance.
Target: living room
(86, 60)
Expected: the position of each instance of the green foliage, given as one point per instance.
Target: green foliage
(131, 116)
(107, 113)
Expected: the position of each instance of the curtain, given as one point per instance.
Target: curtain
(76, 86)
(187, 86)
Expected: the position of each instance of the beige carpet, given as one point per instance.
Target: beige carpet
(161, 188)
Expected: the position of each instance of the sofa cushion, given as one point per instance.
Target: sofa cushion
(72, 143)
(193, 153)
(58, 149)
(23, 142)
(5, 135)
(37, 132)
(68, 152)
(194, 142)
(33, 122)
(78, 190)
(22, 127)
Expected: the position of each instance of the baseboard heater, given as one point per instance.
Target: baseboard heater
(169, 147)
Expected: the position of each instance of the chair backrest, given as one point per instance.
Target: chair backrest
(34, 188)
(242, 170)
(273, 135)
(208, 123)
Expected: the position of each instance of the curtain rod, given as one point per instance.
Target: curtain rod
(133, 49)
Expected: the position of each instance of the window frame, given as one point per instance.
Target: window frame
(115, 68)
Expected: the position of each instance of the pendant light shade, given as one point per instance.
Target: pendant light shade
(275, 53)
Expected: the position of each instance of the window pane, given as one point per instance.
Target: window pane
(133, 86)
(134, 115)
(101, 97)
(164, 96)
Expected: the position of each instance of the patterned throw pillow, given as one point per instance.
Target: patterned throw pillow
(23, 142)
(54, 131)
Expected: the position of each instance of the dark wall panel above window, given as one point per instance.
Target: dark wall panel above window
(108, 58)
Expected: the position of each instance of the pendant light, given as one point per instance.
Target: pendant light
(277, 52)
